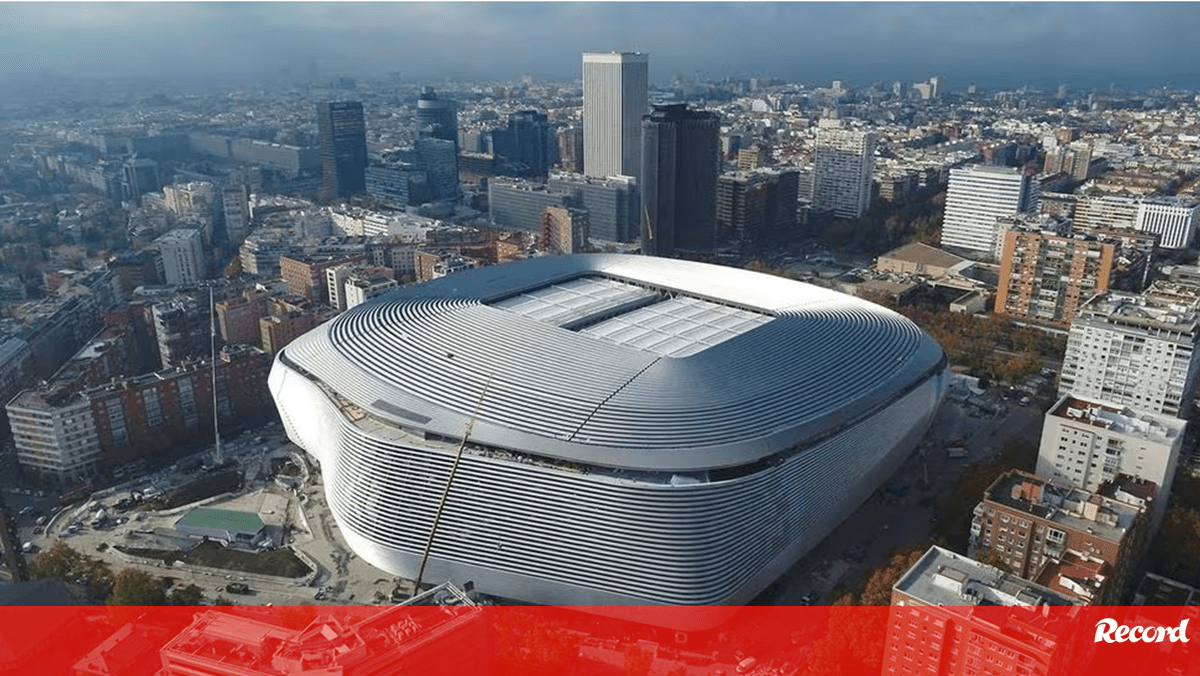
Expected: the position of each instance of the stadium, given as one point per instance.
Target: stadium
(639, 430)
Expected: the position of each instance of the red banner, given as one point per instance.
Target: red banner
(641, 641)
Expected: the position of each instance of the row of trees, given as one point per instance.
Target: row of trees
(129, 587)
(992, 346)
(887, 226)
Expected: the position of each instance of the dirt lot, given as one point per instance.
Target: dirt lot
(281, 562)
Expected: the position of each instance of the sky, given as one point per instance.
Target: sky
(1134, 45)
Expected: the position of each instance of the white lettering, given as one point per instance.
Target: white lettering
(1104, 630)
(1109, 631)
(1179, 633)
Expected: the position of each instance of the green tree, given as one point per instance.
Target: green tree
(190, 595)
(66, 564)
(137, 588)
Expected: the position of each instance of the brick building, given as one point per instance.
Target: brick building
(1077, 542)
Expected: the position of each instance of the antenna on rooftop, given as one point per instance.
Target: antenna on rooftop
(437, 516)
(218, 457)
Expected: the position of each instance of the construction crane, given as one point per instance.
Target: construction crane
(437, 516)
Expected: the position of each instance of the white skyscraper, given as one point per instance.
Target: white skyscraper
(978, 196)
(616, 88)
(842, 166)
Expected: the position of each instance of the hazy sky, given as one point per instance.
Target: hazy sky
(1131, 44)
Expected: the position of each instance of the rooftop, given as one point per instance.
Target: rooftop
(942, 577)
(604, 358)
(1145, 310)
(207, 517)
(1064, 506)
(1119, 419)
(925, 254)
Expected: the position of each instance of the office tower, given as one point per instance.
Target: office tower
(1135, 350)
(521, 205)
(343, 135)
(139, 176)
(1075, 541)
(616, 94)
(1046, 276)
(1172, 218)
(756, 209)
(1087, 443)
(439, 160)
(843, 162)
(397, 186)
(526, 141)
(437, 117)
(182, 256)
(612, 204)
(977, 198)
(235, 206)
(680, 164)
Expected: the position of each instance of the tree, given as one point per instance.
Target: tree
(137, 588)
(1176, 549)
(190, 595)
(878, 589)
(68, 565)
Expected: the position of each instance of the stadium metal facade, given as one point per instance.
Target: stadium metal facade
(642, 430)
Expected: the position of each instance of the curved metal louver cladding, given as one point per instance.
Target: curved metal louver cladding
(600, 473)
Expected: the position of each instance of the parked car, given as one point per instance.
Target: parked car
(237, 588)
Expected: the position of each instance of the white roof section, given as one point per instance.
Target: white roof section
(671, 325)
(620, 361)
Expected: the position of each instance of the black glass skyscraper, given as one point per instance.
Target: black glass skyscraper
(343, 136)
(526, 141)
(680, 164)
(438, 116)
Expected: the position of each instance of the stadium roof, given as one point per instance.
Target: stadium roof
(620, 361)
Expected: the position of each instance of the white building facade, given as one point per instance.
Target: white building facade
(1134, 350)
(977, 198)
(843, 164)
(616, 94)
(183, 256)
(1087, 443)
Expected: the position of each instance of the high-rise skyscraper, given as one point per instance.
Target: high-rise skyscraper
(756, 209)
(842, 165)
(139, 176)
(439, 117)
(616, 94)
(527, 141)
(343, 135)
(680, 163)
(977, 198)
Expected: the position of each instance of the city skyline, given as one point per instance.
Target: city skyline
(1084, 45)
